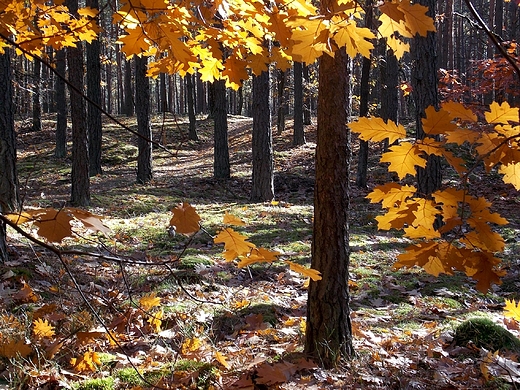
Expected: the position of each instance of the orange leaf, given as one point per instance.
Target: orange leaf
(234, 241)
(222, 360)
(12, 349)
(89, 361)
(191, 345)
(185, 219)
(42, 329)
(310, 272)
(403, 158)
(26, 294)
(512, 309)
(149, 301)
(391, 194)
(437, 122)
(89, 220)
(53, 225)
(511, 174)
(501, 113)
(376, 130)
(416, 19)
(230, 219)
(457, 110)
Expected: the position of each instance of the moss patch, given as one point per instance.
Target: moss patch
(484, 333)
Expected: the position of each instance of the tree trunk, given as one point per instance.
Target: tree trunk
(9, 196)
(142, 108)
(129, 94)
(37, 98)
(329, 332)
(280, 119)
(425, 93)
(306, 96)
(263, 165)
(61, 106)
(80, 191)
(95, 131)
(221, 167)
(299, 132)
(192, 131)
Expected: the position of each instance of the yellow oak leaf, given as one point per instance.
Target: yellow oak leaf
(437, 122)
(234, 241)
(354, 38)
(421, 232)
(191, 345)
(222, 360)
(511, 174)
(449, 196)
(258, 255)
(134, 42)
(390, 26)
(149, 301)
(457, 110)
(403, 158)
(512, 309)
(155, 321)
(376, 130)
(457, 163)
(89, 361)
(391, 194)
(19, 218)
(426, 213)
(483, 238)
(416, 19)
(185, 219)
(430, 146)
(482, 266)
(230, 219)
(14, 348)
(210, 69)
(459, 136)
(310, 272)
(42, 329)
(397, 217)
(417, 254)
(502, 113)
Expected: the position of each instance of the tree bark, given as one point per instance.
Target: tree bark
(306, 96)
(142, 108)
(9, 196)
(36, 97)
(425, 93)
(221, 166)
(299, 131)
(95, 130)
(129, 94)
(262, 146)
(282, 105)
(80, 191)
(190, 90)
(329, 332)
(61, 106)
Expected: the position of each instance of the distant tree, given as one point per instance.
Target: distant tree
(306, 96)
(95, 131)
(80, 191)
(282, 104)
(9, 197)
(190, 91)
(128, 108)
(221, 166)
(142, 108)
(299, 132)
(36, 96)
(61, 106)
(262, 146)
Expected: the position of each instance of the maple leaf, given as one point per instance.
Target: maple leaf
(512, 309)
(14, 348)
(230, 219)
(511, 174)
(310, 272)
(185, 219)
(376, 130)
(234, 241)
(501, 113)
(149, 301)
(89, 361)
(42, 329)
(403, 158)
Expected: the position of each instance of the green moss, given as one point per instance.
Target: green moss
(129, 376)
(97, 384)
(484, 333)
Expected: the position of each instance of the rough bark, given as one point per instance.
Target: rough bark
(262, 146)
(190, 90)
(61, 107)
(80, 191)
(425, 94)
(306, 96)
(221, 166)
(129, 94)
(329, 332)
(142, 109)
(95, 131)
(280, 118)
(299, 132)
(36, 97)
(364, 92)
(9, 196)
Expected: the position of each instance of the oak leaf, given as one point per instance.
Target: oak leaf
(457, 110)
(155, 321)
(42, 328)
(391, 194)
(13, 348)
(502, 113)
(191, 345)
(437, 122)
(185, 219)
(230, 219)
(310, 272)
(89, 361)
(234, 242)
(376, 130)
(222, 360)
(512, 309)
(511, 174)
(416, 19)
(403, 158)
(149, 301)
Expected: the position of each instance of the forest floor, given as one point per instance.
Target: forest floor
(222, 327)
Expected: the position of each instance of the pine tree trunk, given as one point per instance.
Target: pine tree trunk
(192, 131)
(280, 118)
(262, 146)
(221, 166)
(142, 108)
(36, 97)
(129, 94)
(299, 132)
(328, 336)
(61, 106)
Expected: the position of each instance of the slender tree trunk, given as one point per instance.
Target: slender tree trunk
(221, 166)
(80, 191)
(95, 130)
(37, 98)
(192, 131)
(142, 107)
(362, 168)
(425, 93)
(9, 196)
(328, 336)
(263, 164)
(61, 106)
(306, 96)
(129, 94)
(280, 119)
(299, 132)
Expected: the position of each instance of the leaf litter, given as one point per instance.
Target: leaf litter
(209, 324)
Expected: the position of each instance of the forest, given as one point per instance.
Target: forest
(247, 194)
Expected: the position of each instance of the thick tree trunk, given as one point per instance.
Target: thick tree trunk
(9, 196)
(80, 191)
(94, 124)
(221, 167)
(425, 93)
(299, 132)
(329, 333)
(142, 108)
(61, 106)
(263, 164)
